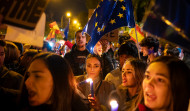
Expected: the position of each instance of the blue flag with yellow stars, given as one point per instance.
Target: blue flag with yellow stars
(109, 15)
(66, 31)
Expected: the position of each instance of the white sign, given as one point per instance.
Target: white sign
(34, 37)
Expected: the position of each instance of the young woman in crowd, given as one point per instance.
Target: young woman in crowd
(49, 86)
(132, 76)
(107, 65)
(98, 49)
(12, 56)
(166, 86)
(101, 88)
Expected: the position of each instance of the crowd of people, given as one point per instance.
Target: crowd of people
(157, 79)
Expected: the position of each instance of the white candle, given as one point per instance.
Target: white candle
(91, 86)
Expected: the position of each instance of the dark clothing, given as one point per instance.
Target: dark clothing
(186, 58)
(10, 79)
(77, 60)
(77, 104)
(108, 63)
(38, 108)
(13, 65)
(143, 57)
(21, 70)
(10, 83)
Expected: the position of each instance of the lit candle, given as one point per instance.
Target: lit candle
(114, 105)
(91, 86)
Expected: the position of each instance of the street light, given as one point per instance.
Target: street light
(68, 14)
(75, 21)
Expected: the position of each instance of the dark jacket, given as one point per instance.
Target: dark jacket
(77, 104)
(10, 79)
(10, 83)
(107, 64)
(77, 60)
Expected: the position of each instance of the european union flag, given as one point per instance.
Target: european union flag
(109, 15)
(66, 31)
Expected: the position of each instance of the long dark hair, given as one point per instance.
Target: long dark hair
(139, 67)
(63, 79)
(179, 80)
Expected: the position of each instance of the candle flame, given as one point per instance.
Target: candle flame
(89, 80)
(113, 103)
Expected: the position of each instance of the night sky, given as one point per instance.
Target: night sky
(57, 8)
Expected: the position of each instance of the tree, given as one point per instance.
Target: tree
(140, 7)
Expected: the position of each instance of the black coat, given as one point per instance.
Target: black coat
(10, 83)
(77, 59)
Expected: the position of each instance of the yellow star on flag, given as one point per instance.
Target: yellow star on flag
(121, 0)
(98, 6)
(120, 15)
(115, 0)
(96, 14)
(102, 0)
(112, 21)
(124, 8)
(96, 24)
(99, 29)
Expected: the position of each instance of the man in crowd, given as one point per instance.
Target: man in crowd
(149, 47)
(10, 81)
(127, 50)
(77, 56)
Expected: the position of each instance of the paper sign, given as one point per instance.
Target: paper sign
(112, 36)
(34, 37)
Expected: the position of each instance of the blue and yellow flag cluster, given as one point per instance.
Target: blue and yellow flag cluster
(109, 15)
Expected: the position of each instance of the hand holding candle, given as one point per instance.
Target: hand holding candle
(91, 86)
(114, 105)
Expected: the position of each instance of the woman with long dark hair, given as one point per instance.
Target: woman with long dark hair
(166, 86)
(132, 76)
(49, 85)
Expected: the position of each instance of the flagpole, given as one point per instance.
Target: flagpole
(138, 47)
(137, 42)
